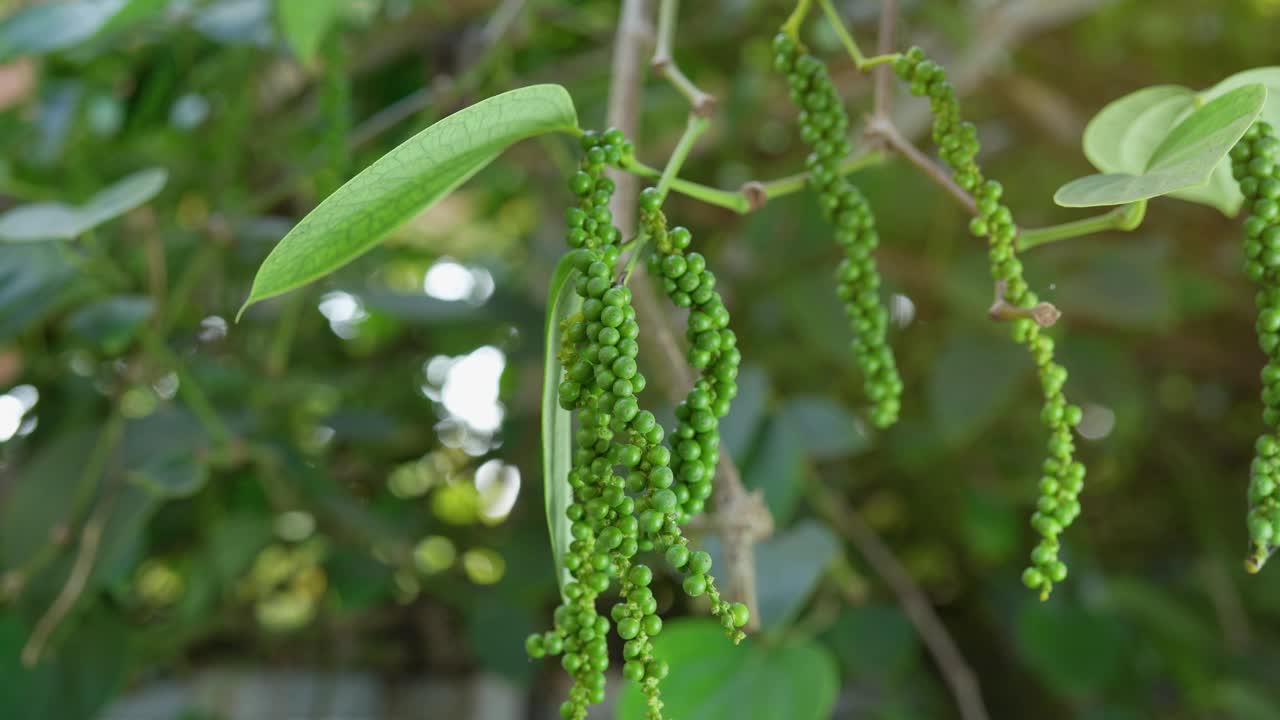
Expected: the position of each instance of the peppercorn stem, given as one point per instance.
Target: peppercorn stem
(1125, 217)
(792, 25)
(697, 125)
(861, 61)
(795, 183)
(741, 201)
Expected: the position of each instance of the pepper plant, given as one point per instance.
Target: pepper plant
(631, 489)
(624, 491)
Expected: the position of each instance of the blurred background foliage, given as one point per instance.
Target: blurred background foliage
(348, 478)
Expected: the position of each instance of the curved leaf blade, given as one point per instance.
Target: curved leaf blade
(557, 423)
(406, 181)
(1268, 77)
(1122, 137)
(59, 221)
(1186, 158)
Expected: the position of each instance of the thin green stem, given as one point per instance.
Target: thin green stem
(792, 25)
(796, 183)
(730, 199)
(1125, 217)
(741, 201)
(282, 341)
(195, 275)
(191, 392)
(692, 131)
(94, 467)
(96, 464)
(861, 61)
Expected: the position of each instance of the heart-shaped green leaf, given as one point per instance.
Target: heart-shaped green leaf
(170, 477)
(972, 382)
(1185, 158)
(407, 180)
(304, 24)
(793, 561)
(794, 678)
(824, 428)
(1269, 77)
(1122, 138)
(58, 221)
(112, 324)
(557, 424)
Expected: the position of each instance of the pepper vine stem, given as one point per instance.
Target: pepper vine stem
(861, 61)
(1124, 217)
(90, 537)
(883, 129)
(792, 25)
(959, 675)
(753, 194)
(694, 129)
(703, 104)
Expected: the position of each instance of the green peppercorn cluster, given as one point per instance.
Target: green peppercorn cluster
(823, 127)
(713, 352)
(1063, 478)
(1254, 164)
(628, 495)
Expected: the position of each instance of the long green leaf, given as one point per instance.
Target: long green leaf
(557, 423)
(1185, 158)
(407, 180)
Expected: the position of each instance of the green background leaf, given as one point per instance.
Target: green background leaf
(793, 561)
(973, 380)
(406, 181)
(1185, 158)
(304, 24)
(59, 221)
(113, 323)
(795, 678)
(825, 429)
(56, 25)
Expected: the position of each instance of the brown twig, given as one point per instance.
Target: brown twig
(701, 103)
(740, 517)
(625, 80)
(90, 540)
(1045, 314)
(884, 130)
(959, 677)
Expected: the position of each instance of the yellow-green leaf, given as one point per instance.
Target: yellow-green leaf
(1185, 158)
